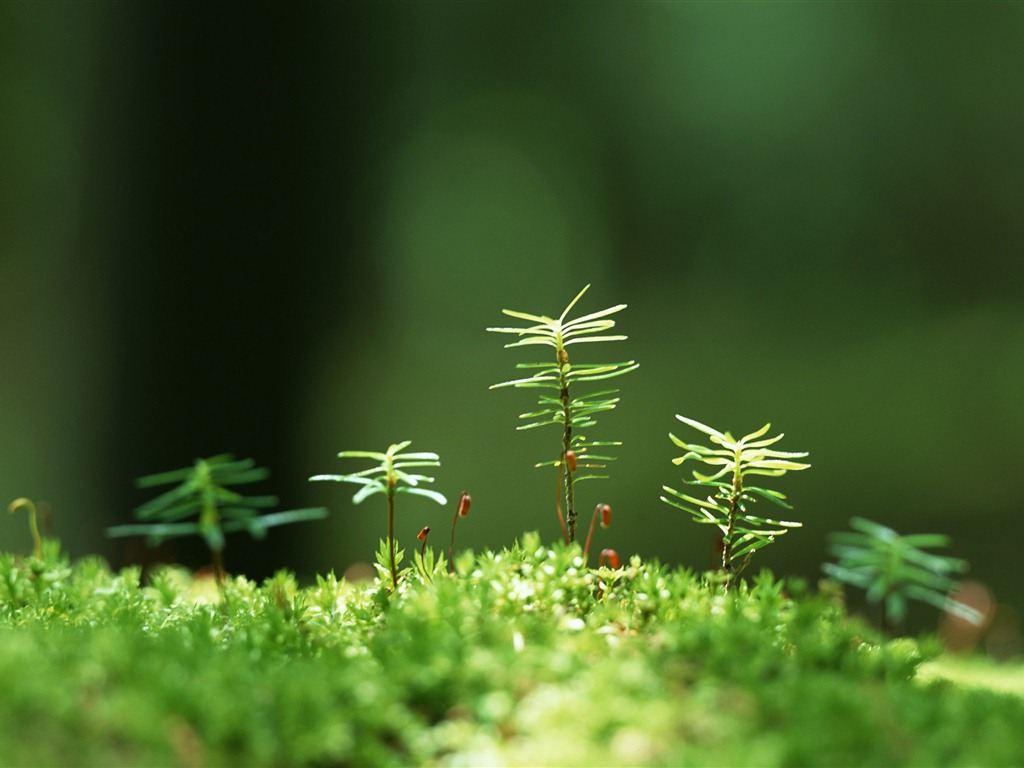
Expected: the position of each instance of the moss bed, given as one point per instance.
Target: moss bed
(521, 657)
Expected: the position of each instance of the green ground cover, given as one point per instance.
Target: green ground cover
(523, 657)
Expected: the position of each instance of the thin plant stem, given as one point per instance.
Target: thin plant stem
(391, 537)
(451, 544)
(590, 535)
(563, 396)
(392, 484)
(727, 540)
(218, 566)
(33, 526)
(558, 501)
(423, 537)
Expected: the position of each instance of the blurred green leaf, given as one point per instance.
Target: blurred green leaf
(892, 568)
(201, 492)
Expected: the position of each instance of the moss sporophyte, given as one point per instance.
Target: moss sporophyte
(33, 525)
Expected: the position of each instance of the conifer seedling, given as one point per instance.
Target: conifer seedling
(202, 492)
(894, 569)
(390, 478)
(732, 462)
(562, 406)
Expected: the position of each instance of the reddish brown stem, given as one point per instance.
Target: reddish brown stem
(605, 513)
(218, 566)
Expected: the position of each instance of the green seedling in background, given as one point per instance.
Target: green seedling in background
(894, 569)
(202, 493)
(389, 478)
(571, 414)
(732, 463)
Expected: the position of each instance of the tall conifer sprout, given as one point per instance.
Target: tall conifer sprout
(560, 404)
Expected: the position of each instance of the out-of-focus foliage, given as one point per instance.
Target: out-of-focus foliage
(201, 492)
(894, 569)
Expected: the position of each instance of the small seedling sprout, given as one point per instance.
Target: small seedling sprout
(390, 478)
(732, 463)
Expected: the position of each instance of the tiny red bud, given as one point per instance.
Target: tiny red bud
(606, 516)
(464, 501)
(422, 535)
(570, 460)
(610, 556)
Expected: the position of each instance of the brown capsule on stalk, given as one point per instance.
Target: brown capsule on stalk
(570, 460)
(606, 516)
(464, 501)
(610, 556)
(422, 535)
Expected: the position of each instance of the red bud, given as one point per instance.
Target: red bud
(609, 555)
(570, 460)
(464, 502)
(422, 535)
(606, 516)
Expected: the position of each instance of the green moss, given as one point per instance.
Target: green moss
(524, 657)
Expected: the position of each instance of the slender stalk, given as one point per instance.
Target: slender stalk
(451, 544)
(391, 537)
(218, 566)
(33, 526)
(210, 520)
(558, 501)
(455, 519)
(727, 540)
(392, 484)
(590, 534)
(563, 396)
(422, 536)
(461, 510)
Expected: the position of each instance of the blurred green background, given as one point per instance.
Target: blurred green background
(280, 230)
